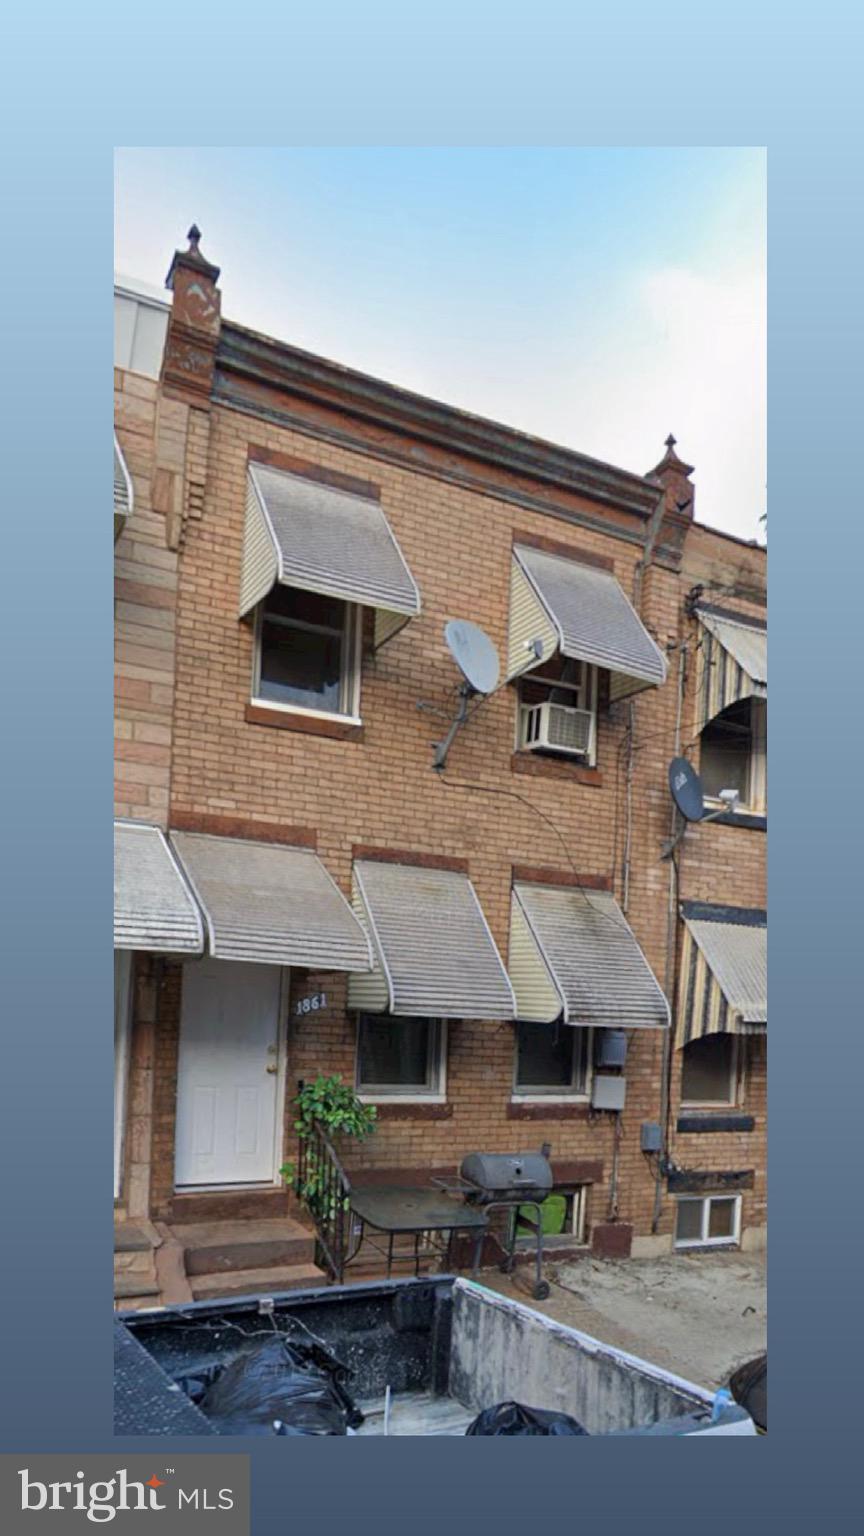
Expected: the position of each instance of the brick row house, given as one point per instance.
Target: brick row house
(524, 945)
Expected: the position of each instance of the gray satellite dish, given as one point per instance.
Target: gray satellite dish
(685, 786)
(474, 655)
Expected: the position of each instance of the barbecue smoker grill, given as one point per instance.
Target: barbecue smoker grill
(507, 1181)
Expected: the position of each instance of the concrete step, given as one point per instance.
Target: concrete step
(221, 1247)
(130, 1238)
(233, 1205)
(135, 1287)
(256, 1282)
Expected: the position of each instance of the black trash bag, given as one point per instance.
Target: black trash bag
(299, 1385)
(515, 1419)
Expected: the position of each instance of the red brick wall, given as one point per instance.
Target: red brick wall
(380, 790)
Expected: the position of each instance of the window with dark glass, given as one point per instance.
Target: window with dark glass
(732, 753)
(400, 1056)
(305, 652)
(551, 1058)
(708, 1071)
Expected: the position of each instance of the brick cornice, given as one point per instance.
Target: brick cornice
(244, 355)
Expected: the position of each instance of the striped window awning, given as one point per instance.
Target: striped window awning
(582, 612)
(269, 903)
(123, 493)
(153, 906)
(574, 957)
(301, 533)
(723, 985)
(732, 661)
(434, 956)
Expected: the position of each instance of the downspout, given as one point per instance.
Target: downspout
(669, 972)
(642, 565)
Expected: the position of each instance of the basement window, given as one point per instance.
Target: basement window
(733, 754)
(707, 1221)
(307, 656)
(563, 1214)
(552, 1061)
(709, 1071)
(401, 1058)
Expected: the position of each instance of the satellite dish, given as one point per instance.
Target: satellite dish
(685, 787)
(474, 655)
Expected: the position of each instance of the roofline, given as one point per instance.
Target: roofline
(144, 293)
(261, 359)
(734, 538)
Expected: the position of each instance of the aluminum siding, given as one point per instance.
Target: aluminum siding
(334, 542)
(153, 907)
(269, 904)
(434, 941)
(596, 621)
(592, 952)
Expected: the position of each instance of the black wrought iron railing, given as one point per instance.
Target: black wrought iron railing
(325, 1190)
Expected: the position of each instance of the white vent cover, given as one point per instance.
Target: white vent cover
(558, 728)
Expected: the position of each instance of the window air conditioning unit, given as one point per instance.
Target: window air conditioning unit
(551, 727)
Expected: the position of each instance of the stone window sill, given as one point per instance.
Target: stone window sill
(307, 725)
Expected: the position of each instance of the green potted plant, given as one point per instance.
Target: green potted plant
(333, 1107)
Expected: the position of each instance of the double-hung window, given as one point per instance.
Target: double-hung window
(558, 709)
(401, 1058)
(307, 653)
(552, 1061)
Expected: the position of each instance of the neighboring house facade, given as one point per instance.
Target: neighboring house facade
(485, 951)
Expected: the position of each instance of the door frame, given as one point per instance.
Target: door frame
(284, 1011)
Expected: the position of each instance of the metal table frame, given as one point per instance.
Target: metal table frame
(412, 1212)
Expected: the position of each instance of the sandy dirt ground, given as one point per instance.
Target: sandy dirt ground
(698, 1314)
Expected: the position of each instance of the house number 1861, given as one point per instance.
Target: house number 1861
(311, 1004)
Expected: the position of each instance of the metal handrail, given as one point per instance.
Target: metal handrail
(329, 1202)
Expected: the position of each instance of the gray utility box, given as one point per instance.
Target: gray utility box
(611, 1048)
(608, 1092)
(650, 1136)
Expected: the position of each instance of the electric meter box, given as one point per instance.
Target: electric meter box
(608, 1092)
(611, 1048)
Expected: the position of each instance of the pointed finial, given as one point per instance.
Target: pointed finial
(193, 237)
(670, 442)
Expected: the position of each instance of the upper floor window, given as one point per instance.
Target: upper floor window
(558, 709)
(552, 1061)
(733, 753)
(307, 653)
(709, 1071)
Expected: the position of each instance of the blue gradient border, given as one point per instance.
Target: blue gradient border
(784, 76)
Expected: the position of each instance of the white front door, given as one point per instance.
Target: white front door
(227, 1074)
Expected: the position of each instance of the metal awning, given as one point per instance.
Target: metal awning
(300, 533)
(581, 611)
(124, 495)
(153, 906)
(723, 970)
(434, 956)
(270, 903)
(574, 957)
(732, 661)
